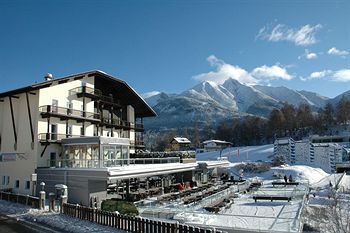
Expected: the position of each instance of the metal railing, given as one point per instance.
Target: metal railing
(56, 136)
(94, 92)
(85, 90)
(95, 163)
(68, 112)
(120, 123)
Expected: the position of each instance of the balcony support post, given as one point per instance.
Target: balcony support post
(48, 129)
(43, 152)
(30, 120)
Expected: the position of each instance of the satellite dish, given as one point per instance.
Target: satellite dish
(48, 77)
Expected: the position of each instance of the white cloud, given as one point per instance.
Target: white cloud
(342, 75)
(262, 74)
(337, 76)
(320, 74)
(149, 94)
(308, 55)
(304, 35)
(224, 71)
(270, 73)
(335, 51)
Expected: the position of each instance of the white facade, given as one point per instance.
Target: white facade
(322, 155)
(35, 119)
(285, 147)
(302, 152)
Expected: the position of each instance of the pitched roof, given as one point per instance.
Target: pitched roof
(181, 140)
(128, 94)
(217, 142)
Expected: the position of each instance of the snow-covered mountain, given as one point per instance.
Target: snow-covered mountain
(284, 94)
(209, 102)
(345, 95)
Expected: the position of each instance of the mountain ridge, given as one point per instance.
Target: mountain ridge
(209, 103)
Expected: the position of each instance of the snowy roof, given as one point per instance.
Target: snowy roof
(128, 94)
(282, 141)
(181, 140)
(217, 142)
(143, 170)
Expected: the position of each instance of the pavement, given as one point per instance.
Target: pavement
(12, 225)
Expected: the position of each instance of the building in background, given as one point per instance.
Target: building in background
(215, 145)
(316, 151)
(180, 144)
(285, 147)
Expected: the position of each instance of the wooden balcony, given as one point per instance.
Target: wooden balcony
(88, 92)
(94, 94)
(139, 127)
(67, 114)
(138, 144)
(47, 138)
(120, 124)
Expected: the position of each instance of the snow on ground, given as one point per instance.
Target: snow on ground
(345, 184)
(240, 154)
(55, 220)
(244, 213)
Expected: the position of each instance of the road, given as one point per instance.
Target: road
(11, 225)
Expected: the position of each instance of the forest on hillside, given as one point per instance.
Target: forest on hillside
(289, 121)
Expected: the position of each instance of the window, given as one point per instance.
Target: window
(17, 184)
(53, 159)
(69, 130)
(82, 131)
(3, 180)
(54, 105)
(82, 108)
(27, 184)
(95, 131)
(8, 180)
(53, 132)
(69, 107)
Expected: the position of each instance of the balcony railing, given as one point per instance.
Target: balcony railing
(55, 137)
(116, 123)
(93, 93)
(85, 90)
(138, 144)
(68, 112)
(122, 124)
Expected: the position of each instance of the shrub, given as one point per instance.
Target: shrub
(123, 207)
(278, 161)
(254, 167)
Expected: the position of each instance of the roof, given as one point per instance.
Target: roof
(217, 142)
(127, 93)
(144, 170)
(181, 140)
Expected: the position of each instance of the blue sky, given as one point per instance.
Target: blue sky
(172, 45)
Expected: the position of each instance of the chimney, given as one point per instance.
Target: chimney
(48, 77)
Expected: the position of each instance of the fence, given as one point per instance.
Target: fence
(21, 199)
(128, 223)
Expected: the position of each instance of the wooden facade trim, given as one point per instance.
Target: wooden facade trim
(30, 118)
(13, 122)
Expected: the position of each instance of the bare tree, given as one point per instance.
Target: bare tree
(338, 214)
